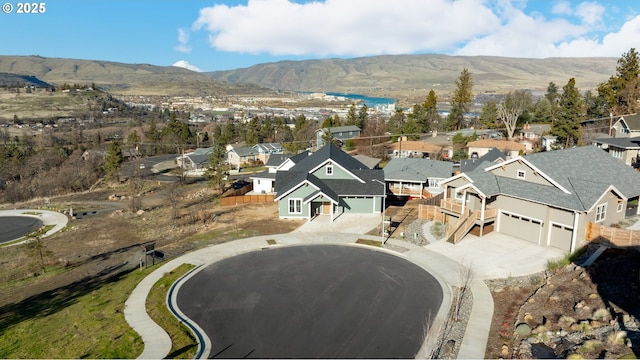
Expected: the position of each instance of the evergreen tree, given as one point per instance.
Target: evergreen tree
(570, 113)
(432, 116)
(489, 114)
(622, 91)
(352, 116)
(113, 160)
(218, 169)
(363, 117)
(462, 98)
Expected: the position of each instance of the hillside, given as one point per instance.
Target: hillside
(120, 78)
(7, 79)
(402, 74)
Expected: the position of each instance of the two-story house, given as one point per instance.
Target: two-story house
(547, 198)
(329, 182)
(624, 144)
(340, 133)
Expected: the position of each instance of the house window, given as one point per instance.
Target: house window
(521, 174)
(295, 206)
(601, 212)
(434, 183)
(620, 206)
(329, 169)
(459, 196)
(258, 181)
(616, 152)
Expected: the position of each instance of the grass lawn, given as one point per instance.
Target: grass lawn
(183, 343)
(82, 320)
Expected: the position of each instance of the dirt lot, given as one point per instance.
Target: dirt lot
(105, 237)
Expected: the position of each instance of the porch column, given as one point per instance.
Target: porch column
(464, 200)
(484, 203)
(574, 235)
(331, 211)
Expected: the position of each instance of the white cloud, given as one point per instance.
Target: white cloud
(373, 27)
(338, 27)
(185, 65)
(562, 8)
(590, 13)
(183, 39)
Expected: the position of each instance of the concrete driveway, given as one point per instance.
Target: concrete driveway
(498, 255)
(345, 223)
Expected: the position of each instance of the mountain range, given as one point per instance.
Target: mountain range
(390, 75)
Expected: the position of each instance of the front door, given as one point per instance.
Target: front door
(326, 208)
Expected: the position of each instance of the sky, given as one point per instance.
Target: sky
(230, 34)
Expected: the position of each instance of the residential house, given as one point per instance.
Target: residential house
(493, 156)
(547, 198)
(329, 182)
(370, 162)
(415, 149)
(480, 147)
(548, 142)
(625, 141)
(533, 132)
(241, 156)
(340, 133)
(266, 149)
(263, 182)
(416, 177)
(195, 160)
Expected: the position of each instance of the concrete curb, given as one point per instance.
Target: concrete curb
(46, 216)
(158, 343)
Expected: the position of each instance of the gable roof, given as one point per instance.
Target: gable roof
(244, 151)
(584, 172)
(276, 160)
(632, 121)
(418, 170)
(492, 156)
(362, 184)
(268, 147)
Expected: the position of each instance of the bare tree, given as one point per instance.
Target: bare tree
(514, 105)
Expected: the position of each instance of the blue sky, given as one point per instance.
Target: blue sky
(226, 34)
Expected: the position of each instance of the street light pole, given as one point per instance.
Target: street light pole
(384, 196)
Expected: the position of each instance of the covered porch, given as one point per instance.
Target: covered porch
(463, 208)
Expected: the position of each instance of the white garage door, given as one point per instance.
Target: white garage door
(561, 237)
(520, 227)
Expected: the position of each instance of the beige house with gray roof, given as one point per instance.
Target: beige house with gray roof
(547, 198)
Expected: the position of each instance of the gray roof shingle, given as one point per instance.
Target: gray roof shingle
(417, 169)
(586, 172)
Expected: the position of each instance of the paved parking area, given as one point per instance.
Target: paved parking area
(497, 255)
(345, 223)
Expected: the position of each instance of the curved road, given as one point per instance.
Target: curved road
(15, 227)
(312, 301)
(46, 217)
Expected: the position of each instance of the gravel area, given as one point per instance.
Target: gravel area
(450, 339)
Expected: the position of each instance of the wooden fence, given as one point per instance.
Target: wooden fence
(429, 212)
(246, 199)
(612, 236)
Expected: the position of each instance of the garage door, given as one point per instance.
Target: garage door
(561, 237)
(520, 227)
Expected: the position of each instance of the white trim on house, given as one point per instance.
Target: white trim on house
(601, 215)
(298, 205)
(295, 188)
(530, 165)
(340, 166)
(610, 188)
